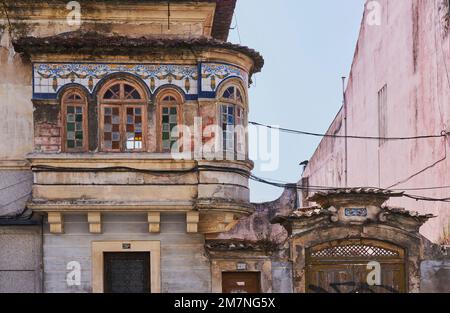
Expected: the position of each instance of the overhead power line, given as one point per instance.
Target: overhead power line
(301, 132)
(232, 170)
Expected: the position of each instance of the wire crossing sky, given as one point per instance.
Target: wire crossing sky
(307, 46)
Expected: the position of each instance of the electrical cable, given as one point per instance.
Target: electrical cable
(300, 132)
(237, 171)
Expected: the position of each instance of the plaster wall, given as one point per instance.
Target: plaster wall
(184, 265)
(20, 259)
(409, 53)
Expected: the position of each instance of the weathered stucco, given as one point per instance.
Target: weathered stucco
(408, 52)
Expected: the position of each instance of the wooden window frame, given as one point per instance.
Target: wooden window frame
(178, 103)
(123, 104)
(65, 102)
(237, 105)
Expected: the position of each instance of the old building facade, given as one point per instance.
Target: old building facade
(124, 166)
(398, 87)
(99, 106)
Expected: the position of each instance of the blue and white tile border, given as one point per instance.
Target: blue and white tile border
(196, 81)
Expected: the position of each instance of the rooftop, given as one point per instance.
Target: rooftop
(99, 43)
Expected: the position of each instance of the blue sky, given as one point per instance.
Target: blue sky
(308, 46)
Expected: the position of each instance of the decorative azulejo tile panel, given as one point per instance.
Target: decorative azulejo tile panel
(359, 212)
(213, 74)
(49, 78)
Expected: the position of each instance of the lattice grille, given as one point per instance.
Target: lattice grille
(357, 250)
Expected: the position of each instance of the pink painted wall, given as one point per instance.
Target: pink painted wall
(410, 53)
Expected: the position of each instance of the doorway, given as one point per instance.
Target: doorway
(346, 266)
(241, 282)
(126, 272)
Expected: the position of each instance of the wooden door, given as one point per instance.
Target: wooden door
(126, 272)
(343, 267)
(241, 282)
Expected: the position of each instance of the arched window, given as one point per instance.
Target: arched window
(74, 121)
(232, 118)
(123, 117)
(169, 111)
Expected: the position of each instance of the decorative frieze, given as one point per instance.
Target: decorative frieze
(50, 78)
(214, 74)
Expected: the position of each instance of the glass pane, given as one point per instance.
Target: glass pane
(229, 93)
(131, 92)
(113, 92)
(108, 128)
(108, 144)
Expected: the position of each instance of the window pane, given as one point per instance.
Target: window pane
(169, 122)
(111, 127)
(229, 93)
(113, 92)
(74, 127)
(131, 92)
(134, 128)
(228, 124)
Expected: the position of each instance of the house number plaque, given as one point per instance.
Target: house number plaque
(126, 246)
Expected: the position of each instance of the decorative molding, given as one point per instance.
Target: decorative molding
(228, 218)
(95, 222)
(50, 78)
(192, 220)
(213, 74)
(360, 212)
(154, 219)
(14, 165)
(56, 223)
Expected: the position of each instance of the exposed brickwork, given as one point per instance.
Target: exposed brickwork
(47, 137)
